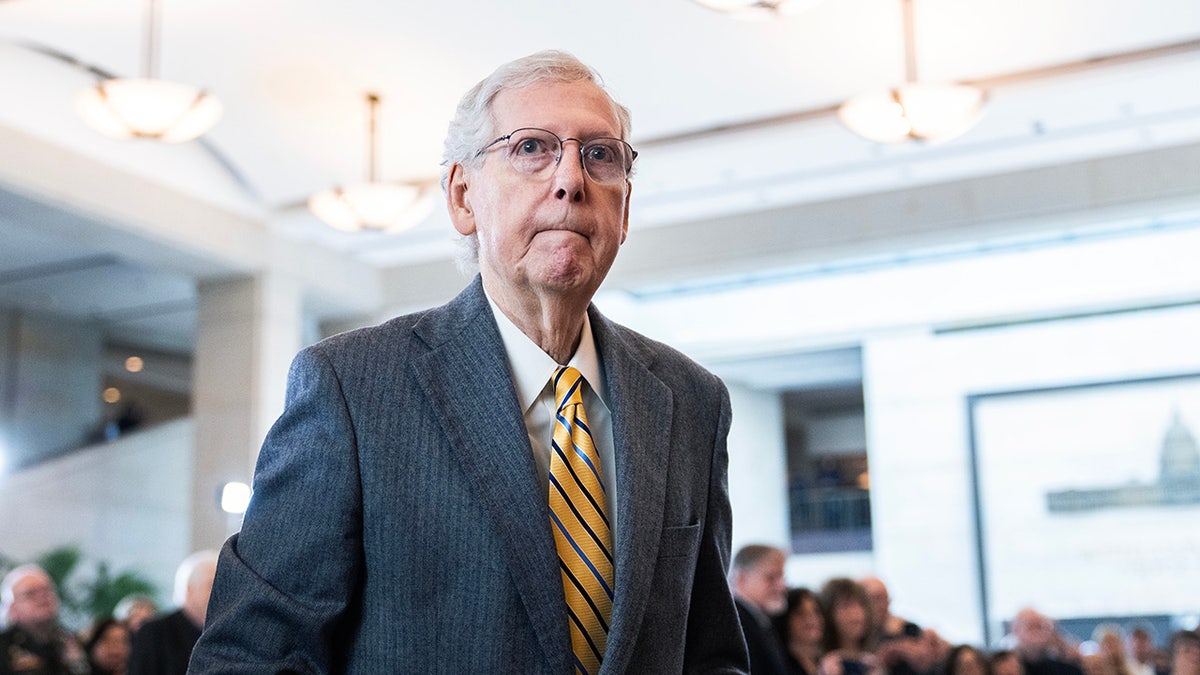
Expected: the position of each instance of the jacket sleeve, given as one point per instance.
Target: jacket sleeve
(714, 633)
(286, 580)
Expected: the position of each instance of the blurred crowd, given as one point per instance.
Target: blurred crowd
(847, 628)
(844, 628)
(137, 639)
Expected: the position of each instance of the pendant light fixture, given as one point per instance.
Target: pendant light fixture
(915, 110)
(148, 107)
(758, 9)
(373, 205)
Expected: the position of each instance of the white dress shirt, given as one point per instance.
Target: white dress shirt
(532, 369)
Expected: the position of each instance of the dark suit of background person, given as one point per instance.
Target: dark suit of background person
(399, 523)
(760, 592)
(163, 645)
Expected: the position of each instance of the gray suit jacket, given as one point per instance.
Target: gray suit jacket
(398, 526)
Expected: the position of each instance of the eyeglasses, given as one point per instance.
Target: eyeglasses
(536, 152)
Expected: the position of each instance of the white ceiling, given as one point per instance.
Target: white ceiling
(712, 99)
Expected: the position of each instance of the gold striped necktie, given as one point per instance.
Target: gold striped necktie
(579, 518)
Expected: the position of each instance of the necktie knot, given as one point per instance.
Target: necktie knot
(568, 387)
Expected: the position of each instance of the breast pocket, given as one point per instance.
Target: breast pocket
(679, 541)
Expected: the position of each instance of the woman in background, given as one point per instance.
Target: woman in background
(107, 647)
(801, 628)
(847, 625)
(967, 660)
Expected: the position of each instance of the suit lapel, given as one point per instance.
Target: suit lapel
(641, 406)
(465, 377)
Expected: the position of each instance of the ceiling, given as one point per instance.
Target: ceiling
(731, 117)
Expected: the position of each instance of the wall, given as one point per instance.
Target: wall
(125, 502)
(50, 391)
(757, 469)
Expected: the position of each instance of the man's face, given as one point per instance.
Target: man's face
(558, 233)
(1034, 632)
(34, 600)
(878, 594)
(763, 585)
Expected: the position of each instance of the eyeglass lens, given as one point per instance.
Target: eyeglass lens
(532, 151)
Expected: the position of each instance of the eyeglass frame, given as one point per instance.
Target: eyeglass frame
(633, 154)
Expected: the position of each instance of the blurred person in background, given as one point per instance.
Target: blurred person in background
(1185, 653)
(848, 621)
(135, 610)
(760, 593)
(1144, 656)
(802, 628)
(966, 660)
(1005, 662)
(163, 646)
(1109, 658)
(1040, 646)
(32, 641)
(884, 624)
(107, 646)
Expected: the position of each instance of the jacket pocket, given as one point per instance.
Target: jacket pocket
(679, 541)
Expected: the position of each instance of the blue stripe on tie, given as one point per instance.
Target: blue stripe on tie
(584, 632)
(574, 476)
(580, 518)
(582, 556)
(587, 598)
(587, 460)
(567, 426)
(581, 453)
(579, 664)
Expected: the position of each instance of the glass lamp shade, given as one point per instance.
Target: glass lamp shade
(927, 112)
(378, 206)
(146, 108)
(758, 9)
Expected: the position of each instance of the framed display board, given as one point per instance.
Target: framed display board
(1087, 499)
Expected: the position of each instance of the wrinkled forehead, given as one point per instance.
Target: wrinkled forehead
(580, 104)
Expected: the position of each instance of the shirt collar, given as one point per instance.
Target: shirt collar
(532, 368)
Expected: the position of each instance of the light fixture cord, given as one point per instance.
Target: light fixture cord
(910, 42)
(372, 124)
(153, 25)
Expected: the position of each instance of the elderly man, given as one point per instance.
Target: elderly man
(760, 593)
(507, 483)
(163, 646)
(1038, 645)
(32, 641)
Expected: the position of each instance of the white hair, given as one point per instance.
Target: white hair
(189, 570)
(10, 580)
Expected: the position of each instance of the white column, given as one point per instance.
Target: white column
(922, 516)
(758, 469)
(248, 332)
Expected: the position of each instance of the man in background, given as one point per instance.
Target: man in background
(163, 646)
(32, 641)
(760, 592)
(1038, 645)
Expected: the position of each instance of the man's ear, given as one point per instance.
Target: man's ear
(625, 217)
(461, 214)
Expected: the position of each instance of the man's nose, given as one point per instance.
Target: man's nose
(569, 176)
